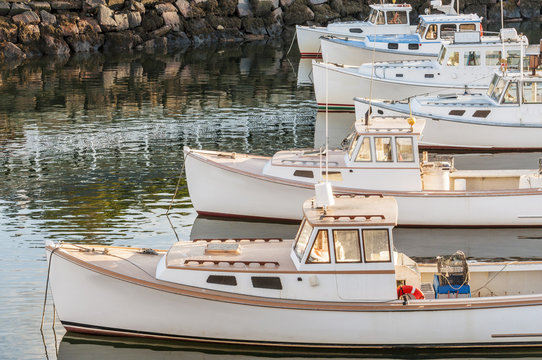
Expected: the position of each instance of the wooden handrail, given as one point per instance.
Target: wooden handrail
(230, 262)
(352, 217)
(240, 239)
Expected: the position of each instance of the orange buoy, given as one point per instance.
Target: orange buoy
(407, 289)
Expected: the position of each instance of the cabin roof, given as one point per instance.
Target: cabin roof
(389, 126)
(442, 18)
(392, 7)
(354, 210)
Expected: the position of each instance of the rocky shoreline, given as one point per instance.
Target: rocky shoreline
(61, 27)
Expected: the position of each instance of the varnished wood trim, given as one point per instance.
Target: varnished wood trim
(516, 335)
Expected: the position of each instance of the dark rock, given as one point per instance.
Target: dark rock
(88, 25)
(262, 8)
(52, 45)
(121, 41)
(31, 50)
(29, 33)
(160, 32)
(206, 7)
(8, 31)
(286, 3)
(530, 8)
(167, 7)
(480, 10)
(254, 26)
(135, 5)
(10, 52)
(134, 19)
(317, 2)
(68, 25)
(184, 8)
(275, 24)
(40, 5)
(151, 21)
(105, 18)
(226, 7)
(18, 8)
(4, 8)
(89, 42)
(177, 39)
(93, 4)
(47, 18)
(323, 14)
(155, 43)
(28, 17)
(243, 8)
(346, 7)
(200, 30)
(224, 22)
(298, 13)
(511, 11)
(67, 5)
(149, 3)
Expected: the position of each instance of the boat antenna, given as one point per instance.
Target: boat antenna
(502, 14)
(369, 112)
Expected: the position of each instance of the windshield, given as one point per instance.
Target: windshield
(420, 30)
(302, 239)
(498, 89)
(372, 16)
(442, 55)
(352, 146)
(492, 85)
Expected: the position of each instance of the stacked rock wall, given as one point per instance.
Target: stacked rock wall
(60, 27)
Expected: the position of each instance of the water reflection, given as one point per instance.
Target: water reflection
(93, 347)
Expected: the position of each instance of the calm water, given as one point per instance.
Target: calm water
(91, 149)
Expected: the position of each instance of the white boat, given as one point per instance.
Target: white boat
(383, 19)
(466, 63)
(338, 284)
(507, 117)
(423, 44)
(380, 158)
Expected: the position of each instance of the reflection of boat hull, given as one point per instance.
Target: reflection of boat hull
(340, 51)
(126, 301)
(222, 189)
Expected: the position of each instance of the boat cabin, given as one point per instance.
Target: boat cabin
(437, 28)
(515, 89)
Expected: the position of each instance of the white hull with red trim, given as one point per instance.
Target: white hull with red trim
(224, 189)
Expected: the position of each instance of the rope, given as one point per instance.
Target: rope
(292, 43)
(494, 276)
(46, 288)
(176, 188)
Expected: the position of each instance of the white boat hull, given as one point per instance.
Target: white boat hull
(222, 191)
(91, 300)
(340, 53)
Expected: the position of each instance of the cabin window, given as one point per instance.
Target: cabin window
(498, 89)
(347, 247)
(332, 175)
(405, 149)
(467, 27)
(532, 93)
(429, 76)
(447, 30)
(364, 153)
(304, 173)
(413, 46)
(356, 30)
(513, 58)
(222, 280)
(511, 94)
(472, 58)
(320, 249)
(431, 32)
(393, 46)
(372, 16)
(493, 58)
(420, 29)
(380, 18)
(266, 282)
(376, 245)
(302, 239)
(453, 60)
(442, 55)
(352, 146)
(397, 17)
(481, 113)
(383, 149)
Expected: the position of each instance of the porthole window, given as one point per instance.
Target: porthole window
(222, 280)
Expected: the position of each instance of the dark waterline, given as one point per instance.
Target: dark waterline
(91, 148)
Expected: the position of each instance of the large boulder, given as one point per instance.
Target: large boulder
(262, 8)
(105, 18)
(10, 52)
(122, 22)
(298, 13)
(93, 4)
(68, 25)
(8, 31)
(115, 4)
(47, 18)
(151, 21)
(66, 5)
(27, 17)
(40, 5)
(171, 18)
(52, 45)
(121, 41)
(29, 34)
(177, 39)
(134, 19)
(167, 7)
(184, 8)
(530, 8)
(89, 42)
(243, 8)
(481, 10)
(88, 25)
(254, 26)
(201, 31)
(4, 8)
(18, 8)
(275, 24)
(324, 14)
(227, 7)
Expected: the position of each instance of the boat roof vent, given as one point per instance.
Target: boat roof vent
(508, 34)
(467, 37)
(222, 248)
